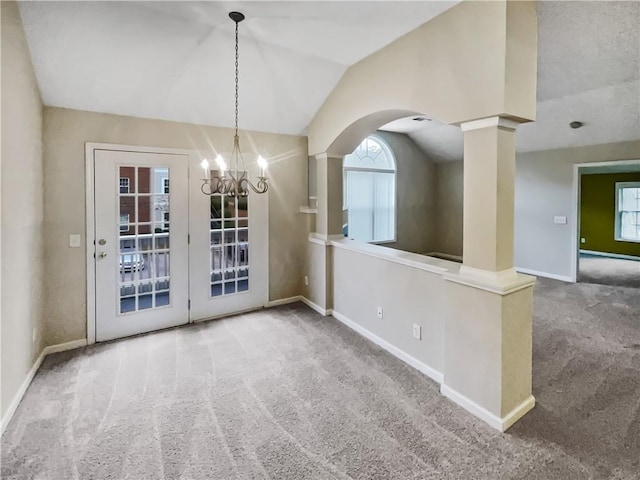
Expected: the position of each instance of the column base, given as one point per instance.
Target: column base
(499, 423)
(488, 344)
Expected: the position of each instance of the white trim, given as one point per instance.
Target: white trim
(90, 148)
(322, 311)
(309, 210)
(617, 226)
(503, 282)
(414, 260)
(323, 239)
(13, 406)
(575, 221)
(499, 122)
(283, 301)
(611, 255)
(501, 424)
(392, 349)
(90, 241)
(536, 273)
(63, 347)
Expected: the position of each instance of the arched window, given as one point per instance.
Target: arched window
(369, 194)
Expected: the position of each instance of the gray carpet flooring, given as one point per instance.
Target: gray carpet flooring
(287, 394)
(609, 271)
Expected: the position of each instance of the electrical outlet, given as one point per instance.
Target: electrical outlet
(306, 280)
(583, 240)
(417, 331)
(379, 312)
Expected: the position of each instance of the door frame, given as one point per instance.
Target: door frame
(90, 148)
(575, 220)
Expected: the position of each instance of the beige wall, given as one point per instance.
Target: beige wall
(456, 68)
(22, 253)
(449, 207)
(65, 134)
(406, 294)
(415, 195)
(544, 189)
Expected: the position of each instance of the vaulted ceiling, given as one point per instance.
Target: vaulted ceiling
(174, 61)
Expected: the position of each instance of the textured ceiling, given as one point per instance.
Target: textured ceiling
(588, 70)
(174, 60)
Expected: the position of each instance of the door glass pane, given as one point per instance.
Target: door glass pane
(229, 245)
(144, 258)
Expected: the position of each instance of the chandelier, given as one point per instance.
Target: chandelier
(233, 182)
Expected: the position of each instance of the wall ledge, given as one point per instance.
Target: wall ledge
(13, 406)
(501, 283)
(414, 260)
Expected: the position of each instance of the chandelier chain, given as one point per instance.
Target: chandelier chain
(237, 56)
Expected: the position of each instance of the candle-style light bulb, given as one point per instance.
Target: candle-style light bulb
(262, 163)
(221, 163)
(205, 166)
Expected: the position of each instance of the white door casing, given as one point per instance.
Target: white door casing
(141, 268)
(190, 263)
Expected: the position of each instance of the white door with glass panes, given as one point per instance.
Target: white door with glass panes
(165, 253)
(141, 242)
(231, 235)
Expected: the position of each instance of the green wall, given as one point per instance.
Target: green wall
(597, 213)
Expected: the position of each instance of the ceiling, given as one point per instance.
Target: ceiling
(174, 61)
(588, 70)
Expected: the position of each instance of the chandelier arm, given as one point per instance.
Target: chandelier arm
(262, 186)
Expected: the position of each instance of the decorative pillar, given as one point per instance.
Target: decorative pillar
(488, 334)
(319, 291)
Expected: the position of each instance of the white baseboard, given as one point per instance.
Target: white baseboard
(63, 347)
(283, 301)
(501, 424)
(611, 255)
(536, 273)
(322, 311)
(392, 349)
(32, 373)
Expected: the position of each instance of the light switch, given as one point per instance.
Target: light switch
(560, 220)
(74, 240)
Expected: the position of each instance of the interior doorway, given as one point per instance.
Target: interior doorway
(608, 223)
(160, 253)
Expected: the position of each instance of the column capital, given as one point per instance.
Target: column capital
(500, 122)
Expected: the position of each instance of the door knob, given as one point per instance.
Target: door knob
(102, 254)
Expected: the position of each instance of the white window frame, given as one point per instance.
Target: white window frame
(128, 182)
(388, 151)
(618, 214)
(128, 224)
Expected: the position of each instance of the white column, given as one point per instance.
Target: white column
(488, 334)
(328, 227)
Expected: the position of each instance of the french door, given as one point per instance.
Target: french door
(165, 254)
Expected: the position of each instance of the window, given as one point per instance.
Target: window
(165, 185)
(628, 211)
(369, 194)
(124, 220)
(124, 185)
